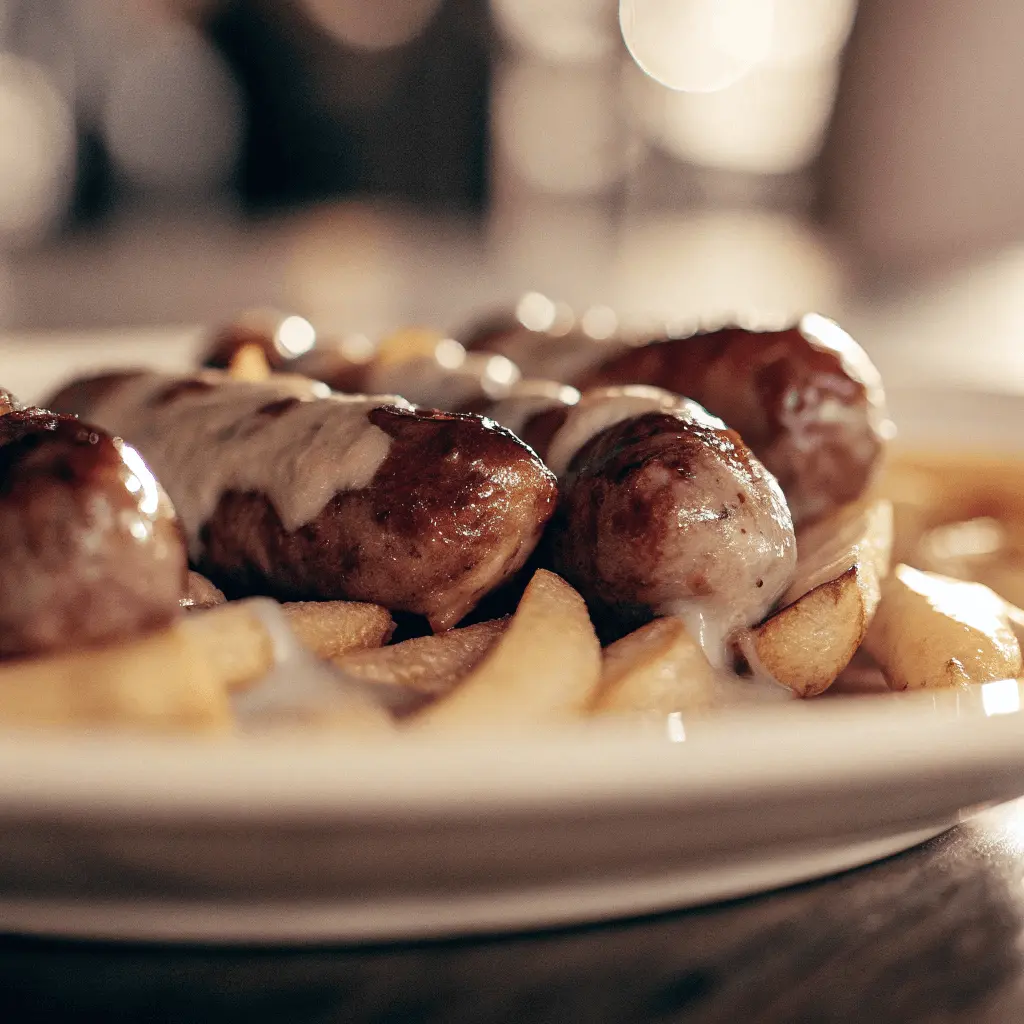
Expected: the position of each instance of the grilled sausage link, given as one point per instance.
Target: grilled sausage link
(90, 550)
(439, 373)
(663, 510)
(807, 399)
(287, 490)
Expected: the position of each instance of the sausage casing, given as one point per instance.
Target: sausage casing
(90, 550)
(303, 495)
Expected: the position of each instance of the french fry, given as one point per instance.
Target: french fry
(249, 363)
(542, 670)
(828, 609)
(181, 677)
(933, 631)
(230, 640)
(657, 669)
(415, 672)
(333, 628)
(177, 679)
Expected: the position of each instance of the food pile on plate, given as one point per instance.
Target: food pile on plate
(526, 525)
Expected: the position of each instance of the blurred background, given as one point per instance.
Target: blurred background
(375, 162)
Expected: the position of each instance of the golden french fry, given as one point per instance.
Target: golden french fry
(173, 680)
(543, 669)
(232, 641)
(249, 363)
(332, 628)
(427, 664)
(657, 669)
(415, 672)
(933, 631)
(828, 609)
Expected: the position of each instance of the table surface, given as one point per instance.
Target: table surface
(931, 935)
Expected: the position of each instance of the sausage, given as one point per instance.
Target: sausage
(544, 355)
(90, 549)
(807, 399)
(449, 378)
(278, 338)
(290, 491)
(662, 510)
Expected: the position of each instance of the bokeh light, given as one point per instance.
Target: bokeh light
(173, 114)
(37, 156)
(769, 122)
(561, 31)
(372, 24)
(735, 85)
(697, 45)
(599, 322)
(810, 30)
(295, 335)
(536, 312)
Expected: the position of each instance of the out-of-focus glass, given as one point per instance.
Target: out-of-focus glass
(37, 157)
(377, 25)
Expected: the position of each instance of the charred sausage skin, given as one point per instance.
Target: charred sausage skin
(454, 508)
(670, 513)
(90, 550)
(807, 400)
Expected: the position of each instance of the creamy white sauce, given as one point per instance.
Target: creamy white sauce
(602, 408)
(445, 383)
(760, 570)
(560, 358)
(207, 442)
(707, 625)
(529, 398)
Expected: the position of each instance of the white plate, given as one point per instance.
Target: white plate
(311, 838)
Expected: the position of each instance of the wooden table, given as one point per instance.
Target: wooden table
(928, 936)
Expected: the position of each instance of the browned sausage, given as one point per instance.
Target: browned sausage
(90, 550)
(807, 399)
(287, 493)
(662, 510)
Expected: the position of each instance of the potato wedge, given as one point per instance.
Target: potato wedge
(657, 669)
(333, 628)
(250, 363)
(412, 674)
(827, 610)
(181, 678)
(542, 669)
(933, 631)
(177, 679)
